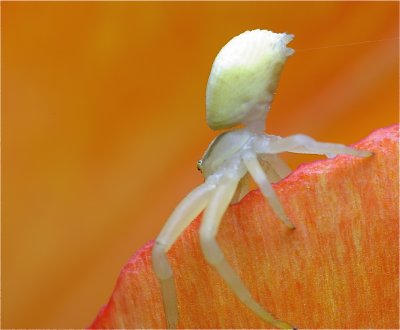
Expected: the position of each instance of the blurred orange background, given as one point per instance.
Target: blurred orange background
(104, 119)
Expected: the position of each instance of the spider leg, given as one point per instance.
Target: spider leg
(274, 167)
(300, 143)
(256, 171)
(183, 214)
(268, 169)
(242, 189)
(280, 167)
(217, 206)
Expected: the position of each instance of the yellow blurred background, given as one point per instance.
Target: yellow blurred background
(104, 119)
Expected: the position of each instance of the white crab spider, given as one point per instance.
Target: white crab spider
(240, 89)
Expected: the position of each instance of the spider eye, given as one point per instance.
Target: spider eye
(199, 167)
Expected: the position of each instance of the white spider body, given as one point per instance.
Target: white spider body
(244, 77)
(225, 151)
(240, 88)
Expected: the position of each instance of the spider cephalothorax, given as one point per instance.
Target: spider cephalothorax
(240, 89)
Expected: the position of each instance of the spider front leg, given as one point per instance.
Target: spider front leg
(256, 171)
(184, 213)
(300, 143)
(216, 208)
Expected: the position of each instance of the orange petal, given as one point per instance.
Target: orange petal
(338, 269)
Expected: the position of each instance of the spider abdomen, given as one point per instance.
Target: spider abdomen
(244, 77)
